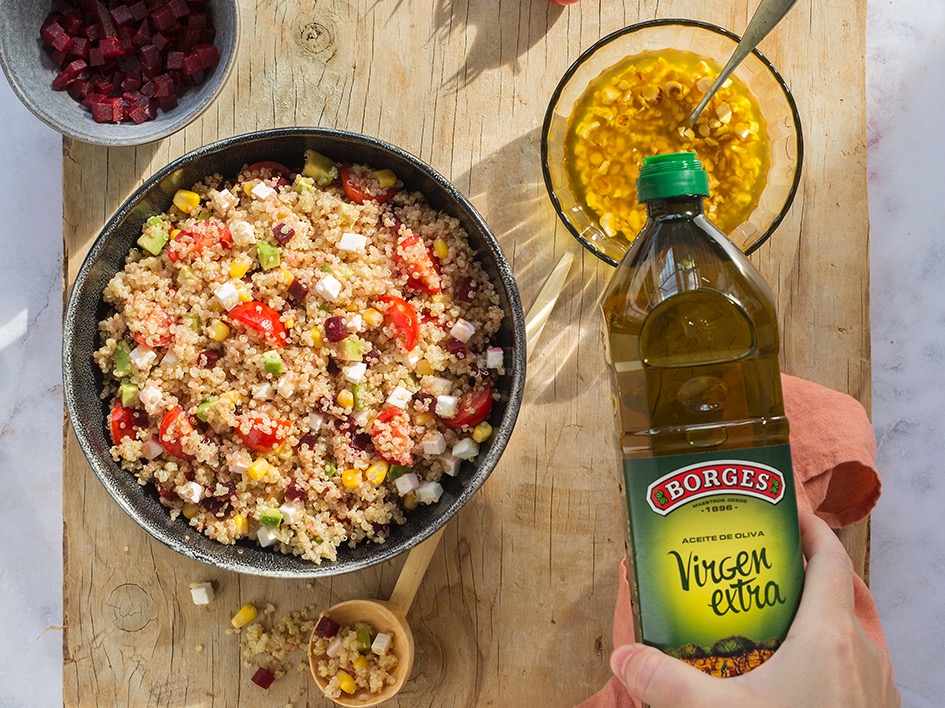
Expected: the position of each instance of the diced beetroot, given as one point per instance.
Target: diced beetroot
(122, 15)
(151, 110)
(111, 47)
(71, 22)
(192, 64)
(107, 110)
(150, 56)
(209, 55)
(163, 86)
(148, 89)
(92, 98)
(167, 103)
(163, 18)
(191, 37)
(53, 35)
(197, 20)
(326, 628)
(131, 82)
(80, 47)
(143, 35)
(139, 115)
(179, 8)
(263, 678)
(104, 86)
(208, 34)
(79, 89)
(58, 57)
(175, 60)
(69, 74)
(96, 58)
(161, 41)
(139, 10)
(104, 19)
(91, 33)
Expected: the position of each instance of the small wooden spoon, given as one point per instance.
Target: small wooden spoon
(390, 616)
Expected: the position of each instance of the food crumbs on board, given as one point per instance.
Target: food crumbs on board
(270, 642)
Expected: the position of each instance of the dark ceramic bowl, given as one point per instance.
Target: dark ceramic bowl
(30, 72)
(83, 380)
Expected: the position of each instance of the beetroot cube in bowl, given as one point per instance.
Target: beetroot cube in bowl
(38, 47)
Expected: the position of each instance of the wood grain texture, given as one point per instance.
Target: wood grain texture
(523, 585)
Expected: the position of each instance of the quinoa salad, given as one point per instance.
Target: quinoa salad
(352, 658)
(298, 358)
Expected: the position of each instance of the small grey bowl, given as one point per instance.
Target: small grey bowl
(83, 382)
(30, 72)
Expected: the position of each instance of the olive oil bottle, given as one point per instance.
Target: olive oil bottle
(691, 339)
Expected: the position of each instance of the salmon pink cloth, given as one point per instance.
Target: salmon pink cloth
(834, 454)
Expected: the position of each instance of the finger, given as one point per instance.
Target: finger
(660, 680)
(828, 585)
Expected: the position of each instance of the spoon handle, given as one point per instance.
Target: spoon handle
(411, 575)
(768, 14)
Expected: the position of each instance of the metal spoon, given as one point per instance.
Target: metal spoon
(768, 14)
(390, 616)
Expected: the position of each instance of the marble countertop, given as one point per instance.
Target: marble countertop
(905, 85)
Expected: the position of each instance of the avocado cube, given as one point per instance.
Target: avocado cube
(122, 360)
(203, 410)
(272, 363)
(153, 241)
(270, 517)
(320, 168)
(127, 392)
(268, 255)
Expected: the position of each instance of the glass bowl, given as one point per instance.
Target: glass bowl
(785, 139)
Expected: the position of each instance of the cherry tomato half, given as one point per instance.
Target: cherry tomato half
(404, 319)
(474, 407)
(390, 438)
(274, 168)
(422, 268)
(175, 425)
(158, 323)
(124, 422)
(265, 433)
(262, 318)
(364, 187)
(190, 243)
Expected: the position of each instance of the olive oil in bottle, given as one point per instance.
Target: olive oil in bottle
(691, 339)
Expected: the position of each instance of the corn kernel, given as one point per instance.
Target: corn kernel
(289, 322)
(437, 298)
(422, 418)
(285, 277)
(240, 525)
(246, 614)
(372, 318)
(248, 188)
(377, 472)
(441, 249)
(345, 682)
(216, 306)
(361, 662)
(345, 398)
(218, 331)
(186, 201)
(351, 478)
(284, 451)
(174, 233)
(482, 432)
(423, 368)
(190, 510)
(385, 178)
(240, 266)
(245, 295)
(352, 307)
(259, 469)
(234, 397)
(317, 339)
(410, 501)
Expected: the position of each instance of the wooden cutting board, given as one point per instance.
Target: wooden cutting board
(525, 579)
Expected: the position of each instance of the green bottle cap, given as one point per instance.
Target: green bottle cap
(676, 174)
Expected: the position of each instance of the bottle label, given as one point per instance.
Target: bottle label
(716, 554)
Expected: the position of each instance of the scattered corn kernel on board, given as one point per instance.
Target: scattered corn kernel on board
(525, 579)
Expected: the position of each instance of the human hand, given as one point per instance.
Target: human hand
(826, 659)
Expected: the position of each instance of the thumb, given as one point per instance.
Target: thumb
(658, 679)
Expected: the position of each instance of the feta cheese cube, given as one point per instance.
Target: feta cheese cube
(328, 287)
(266, 535)
(223, 201)
(466, 449)
(355, 373)
(201, 593)
(351, 242)
(290, 512)
(355, 323)
(191, 492)
(285, 386)
(362, 418)
(462, 330)
(150, 396)
(151, 449)
(263, 191)
(429, 492)
(446, 406)
(243, 233)
(412, 358)
(316, 421)
(451, 464)
(494, 357)
(228, 295)
(143, 356)
(399, 397)
(381, 643)
(262, 392)
(406, 483)
(433, 444)
(436, 385)
(239, 461)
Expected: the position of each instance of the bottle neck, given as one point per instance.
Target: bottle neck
(683, 207)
